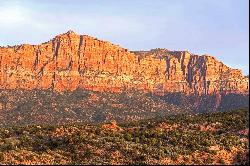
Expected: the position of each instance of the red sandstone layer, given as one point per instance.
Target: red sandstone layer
(71, 61)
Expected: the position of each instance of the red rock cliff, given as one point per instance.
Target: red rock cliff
(71, 61)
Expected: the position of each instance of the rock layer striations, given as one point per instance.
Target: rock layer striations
(70, 61)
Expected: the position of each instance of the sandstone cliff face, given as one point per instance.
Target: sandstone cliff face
(71, 61)
(188, 73)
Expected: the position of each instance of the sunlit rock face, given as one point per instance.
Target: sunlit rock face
(188, 73)
(70, 61)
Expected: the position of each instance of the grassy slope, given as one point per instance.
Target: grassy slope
(178, 139)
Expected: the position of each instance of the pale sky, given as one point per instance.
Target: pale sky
(216, 27)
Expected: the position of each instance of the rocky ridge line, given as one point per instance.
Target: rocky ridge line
(70, 61)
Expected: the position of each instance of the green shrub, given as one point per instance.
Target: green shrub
(222, 161)
(128, 137)
(1, 156)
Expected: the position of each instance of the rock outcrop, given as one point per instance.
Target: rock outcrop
(70, 61)
(189, 73)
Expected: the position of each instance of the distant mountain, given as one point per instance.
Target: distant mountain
(71, 61)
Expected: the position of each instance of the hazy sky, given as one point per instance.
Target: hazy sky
(216, 27)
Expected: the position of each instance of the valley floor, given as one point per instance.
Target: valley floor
(215, 138)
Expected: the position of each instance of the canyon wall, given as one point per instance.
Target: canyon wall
(70, 61)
